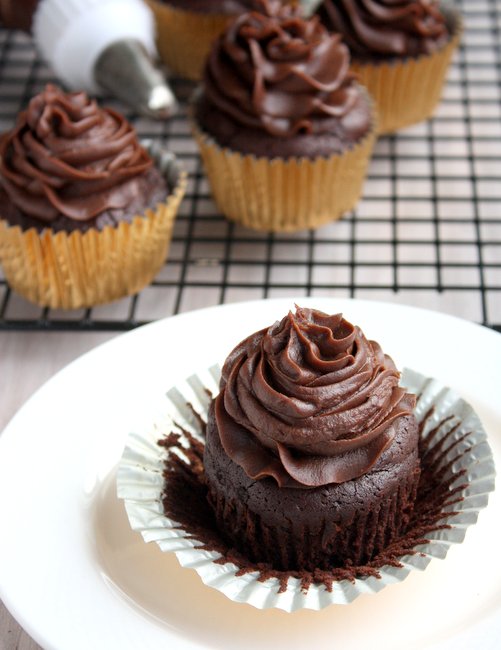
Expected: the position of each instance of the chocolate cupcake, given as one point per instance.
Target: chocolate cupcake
(311, 459)
(186, 30)
(400, 51)
(86, 215)
(284, 130)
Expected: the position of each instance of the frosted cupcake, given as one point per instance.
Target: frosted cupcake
(311, 458)
(400, 51)
(86, 212)
(284, 130)
(186, 30)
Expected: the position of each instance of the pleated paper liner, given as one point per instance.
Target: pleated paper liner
(408, 91)
(284, 195)
(74, 270)
(184, 37)
(454, 448)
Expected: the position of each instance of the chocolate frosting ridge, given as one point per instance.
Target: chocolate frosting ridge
(309, 401)
(387, 27)
(66, 156)
(280, 73)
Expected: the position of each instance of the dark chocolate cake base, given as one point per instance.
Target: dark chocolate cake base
(313, 528)
(185, 501)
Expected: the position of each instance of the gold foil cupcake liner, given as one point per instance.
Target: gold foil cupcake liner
(285, 195)
(465, 463)
(184, 38)
(82, 269)
(408, 91)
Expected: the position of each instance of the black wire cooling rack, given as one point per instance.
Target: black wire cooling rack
(427, 232)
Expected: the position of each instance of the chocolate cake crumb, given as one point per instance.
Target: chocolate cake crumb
(186, 503)
(201, 422)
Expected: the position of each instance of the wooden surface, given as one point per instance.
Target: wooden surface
(28, 360)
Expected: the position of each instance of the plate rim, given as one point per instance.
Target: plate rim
(9, 433)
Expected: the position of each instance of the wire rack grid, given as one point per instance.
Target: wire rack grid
(427, 231)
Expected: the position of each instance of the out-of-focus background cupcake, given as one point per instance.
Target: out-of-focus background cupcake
(284, 130)
(86, 211)
(400, 51)
(187, 29)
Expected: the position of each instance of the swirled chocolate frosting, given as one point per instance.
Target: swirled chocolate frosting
(66, 156)
(280, 73)
(309, 401)
(387, 27)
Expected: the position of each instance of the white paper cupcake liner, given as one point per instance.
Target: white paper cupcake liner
(140, 483)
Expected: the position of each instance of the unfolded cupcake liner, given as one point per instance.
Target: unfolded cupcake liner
(450, 423)
(284, 195)
(81, 269)
(407, 91)
(184, 37)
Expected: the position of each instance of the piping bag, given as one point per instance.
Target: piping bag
(97, 45)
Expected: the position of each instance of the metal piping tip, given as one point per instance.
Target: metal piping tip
(161, 103)
(125, 69)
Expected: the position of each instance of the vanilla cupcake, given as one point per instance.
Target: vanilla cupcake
(400, 51)
(284, 130)
(85, 214)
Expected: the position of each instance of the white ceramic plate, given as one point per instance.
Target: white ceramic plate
(76, 577)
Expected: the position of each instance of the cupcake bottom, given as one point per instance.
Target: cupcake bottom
(284, 194)
(408, 91)
(70, 270)
(319, 528)
(161, 478)
(184, 38)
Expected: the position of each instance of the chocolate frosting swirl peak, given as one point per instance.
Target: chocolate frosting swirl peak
(280, 73)
(309, 401)
(66, 156)
(387, 27)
